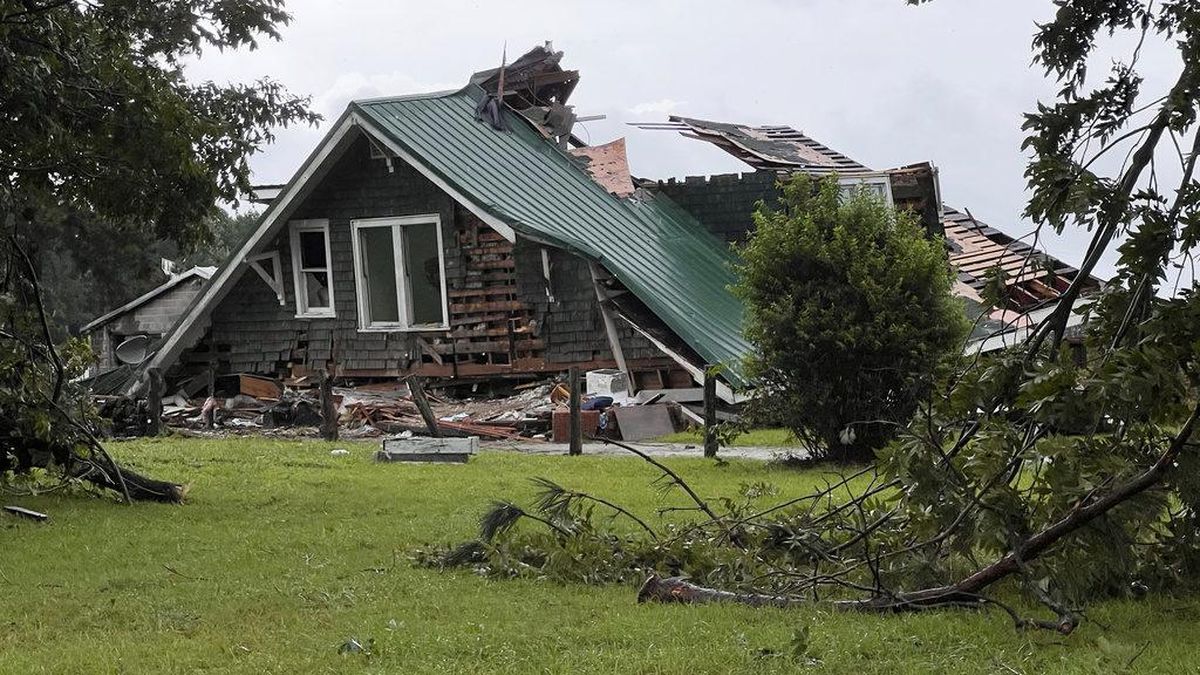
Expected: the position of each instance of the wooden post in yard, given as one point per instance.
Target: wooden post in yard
(576, 447)
(329, 417)
(416, 389)
(154, 405)
(710, 412)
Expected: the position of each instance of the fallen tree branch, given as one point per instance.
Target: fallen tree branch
(677, 590)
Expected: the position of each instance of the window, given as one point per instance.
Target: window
(311, 268)
(400, 269)
(876, 185)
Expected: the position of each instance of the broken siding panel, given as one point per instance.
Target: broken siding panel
(154, 318)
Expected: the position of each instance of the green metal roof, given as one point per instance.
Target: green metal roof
(658, 251)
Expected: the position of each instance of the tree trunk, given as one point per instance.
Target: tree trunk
(576, 425)
(112, 476)
(416, 389)
(154, 404)
(329, 417)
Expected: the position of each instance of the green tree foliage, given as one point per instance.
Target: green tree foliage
(88, 266)
(100, 118)
(228, 232)
(850, 313)
(105, 143)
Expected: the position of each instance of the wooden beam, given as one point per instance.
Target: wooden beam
(417, 390)
(610, 324)
(710, 412)
(576, 447)
(154, 404)
(329, 417)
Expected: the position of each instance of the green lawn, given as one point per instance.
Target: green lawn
(754, 438)
(284, 552)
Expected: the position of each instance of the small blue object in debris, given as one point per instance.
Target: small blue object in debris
(596, 403)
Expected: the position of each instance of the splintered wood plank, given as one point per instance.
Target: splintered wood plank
(507, 263)
(489, 249)
(482, 307)
(483, 292)
(489, 347)
(259, 387)
(485, 319)
(497, 276)
(489, 332)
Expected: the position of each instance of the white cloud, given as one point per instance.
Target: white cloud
(356, 85)
(662, 106)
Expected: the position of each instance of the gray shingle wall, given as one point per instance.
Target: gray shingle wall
(572, 325)
(262, 335)
(253, 333)
(724, 203)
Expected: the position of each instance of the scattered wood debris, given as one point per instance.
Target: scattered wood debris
(533, 411)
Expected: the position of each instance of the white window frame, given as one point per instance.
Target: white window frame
(850, 183)
(303, 311)
(403, 294)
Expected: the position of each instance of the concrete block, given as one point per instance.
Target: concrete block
(423, 449)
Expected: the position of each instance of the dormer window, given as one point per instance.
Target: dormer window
(877, 185)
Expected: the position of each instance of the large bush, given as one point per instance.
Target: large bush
(848, 306)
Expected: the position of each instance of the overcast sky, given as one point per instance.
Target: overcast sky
(885, 83)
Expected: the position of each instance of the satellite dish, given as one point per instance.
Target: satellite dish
(134, 350)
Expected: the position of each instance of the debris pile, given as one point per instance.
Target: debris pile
(536, 411)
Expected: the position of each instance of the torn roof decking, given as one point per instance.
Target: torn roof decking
(767, 148)
(1032, 277)
(532, 79)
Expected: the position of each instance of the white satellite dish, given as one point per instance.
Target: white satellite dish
(134, 350)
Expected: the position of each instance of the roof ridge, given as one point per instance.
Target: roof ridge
(444, 93)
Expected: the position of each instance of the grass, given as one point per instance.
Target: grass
(754, 438)
(284, 552)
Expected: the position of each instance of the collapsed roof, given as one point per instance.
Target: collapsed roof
(659, 252)
(197, 272)
(521, 183)
(1033, 278)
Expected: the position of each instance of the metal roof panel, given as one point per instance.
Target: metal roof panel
(658, 251)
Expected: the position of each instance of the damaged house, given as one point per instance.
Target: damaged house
(451, 235)
(468, 234)
(126, 334)
(1033, 280)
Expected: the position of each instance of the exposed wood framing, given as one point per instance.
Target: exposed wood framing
(610, 323)
(724, 392)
